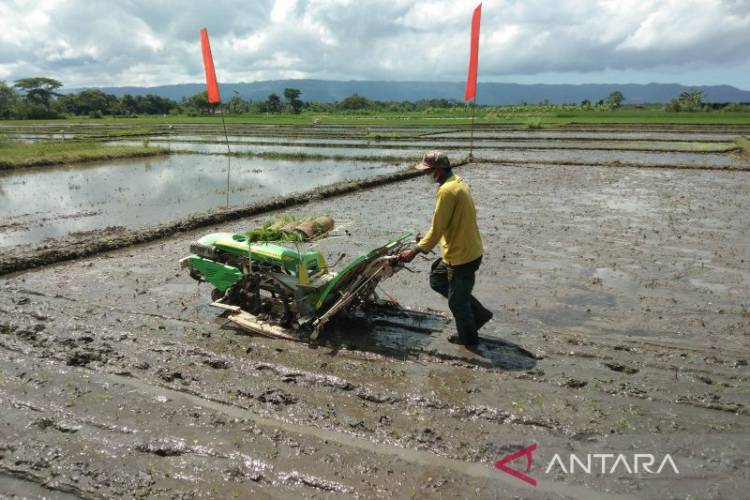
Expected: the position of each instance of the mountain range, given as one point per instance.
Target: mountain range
(487, 92)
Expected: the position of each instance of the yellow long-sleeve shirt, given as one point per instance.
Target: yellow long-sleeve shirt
(454, 224)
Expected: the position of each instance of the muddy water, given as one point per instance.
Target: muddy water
(365, 134)
(354, 151)
(583, 144)
(54, 202)
(332, 139)
(604, 135)
(28, 138)
(429, 142)
(530, 155)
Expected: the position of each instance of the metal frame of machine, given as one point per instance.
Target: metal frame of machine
(272, 289)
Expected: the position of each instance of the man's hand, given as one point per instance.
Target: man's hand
(408, 254)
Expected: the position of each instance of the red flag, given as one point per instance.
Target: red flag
(471, 80)
(208, 62)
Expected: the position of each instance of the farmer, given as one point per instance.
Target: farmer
(454, 225)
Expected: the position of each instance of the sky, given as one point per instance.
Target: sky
(90, 43)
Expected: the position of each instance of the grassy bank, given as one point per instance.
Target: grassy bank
(14, 155)
(744, 145)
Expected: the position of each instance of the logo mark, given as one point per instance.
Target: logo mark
(501, 464)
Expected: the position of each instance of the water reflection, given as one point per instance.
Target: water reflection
(52, 202)
(499, 155)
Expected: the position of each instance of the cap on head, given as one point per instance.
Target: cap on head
(434, 159)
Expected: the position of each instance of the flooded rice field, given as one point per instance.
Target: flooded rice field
(53, 202)
(422, 143)
(657, 135)
(696, 133)
(414, 152)
(621, 328)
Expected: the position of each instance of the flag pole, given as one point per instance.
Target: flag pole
(226, 136)
(229, 155)
(471, 141)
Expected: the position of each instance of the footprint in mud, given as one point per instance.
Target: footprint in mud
(505, 355)
(574, 383)
(618, 367)
(46, 422)
(489, 353)
(164, 448)
(427, 438)
(83, 358)
(169, 376)
(218, 364)
(276, 397)
(408, 333)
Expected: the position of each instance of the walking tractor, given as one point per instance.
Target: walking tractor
(276, 289)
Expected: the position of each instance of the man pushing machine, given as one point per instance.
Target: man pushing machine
(454, 225)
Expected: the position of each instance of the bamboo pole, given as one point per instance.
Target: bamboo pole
(471, 141)
(229, 154)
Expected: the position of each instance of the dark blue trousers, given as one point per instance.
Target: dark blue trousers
(456, 283)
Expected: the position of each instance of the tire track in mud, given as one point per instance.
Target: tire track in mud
(295, 376)
(476, 470)
(98, 305)
(381, 352)
(255, 469)
(67, 422)
(268, 399)
(348, 440)
(30, 459)
(313, 380)
(286, 376)
(18, 479)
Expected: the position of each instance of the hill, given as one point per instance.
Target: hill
(487, 92)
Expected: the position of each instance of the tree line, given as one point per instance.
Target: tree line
(39, 98)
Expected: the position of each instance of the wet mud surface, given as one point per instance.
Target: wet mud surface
(622, 325)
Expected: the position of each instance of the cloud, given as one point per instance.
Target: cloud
(142, 42)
